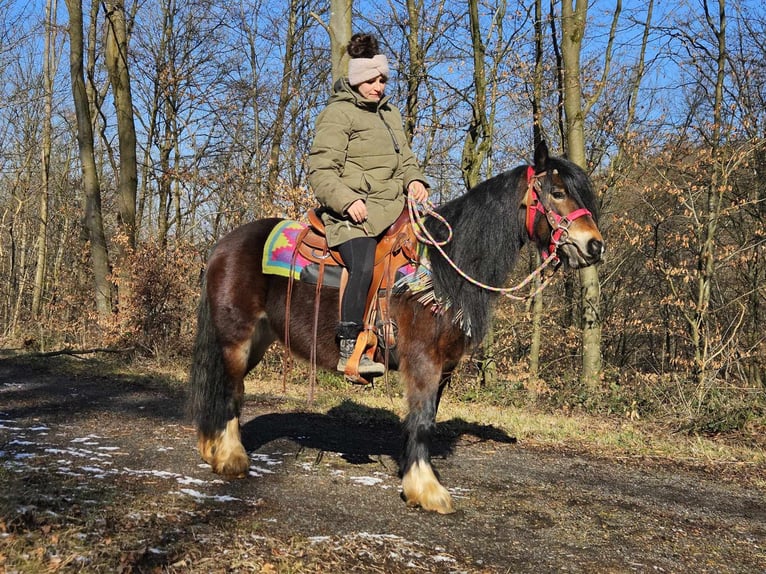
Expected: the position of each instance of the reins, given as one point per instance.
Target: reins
(560, 231)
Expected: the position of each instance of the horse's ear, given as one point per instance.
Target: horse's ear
(541, 157)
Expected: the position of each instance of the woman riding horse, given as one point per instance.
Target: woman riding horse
(550, 204)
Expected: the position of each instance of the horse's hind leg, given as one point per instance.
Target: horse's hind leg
(232, 336)
(420, 485)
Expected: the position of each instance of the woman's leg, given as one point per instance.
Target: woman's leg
(359, 256)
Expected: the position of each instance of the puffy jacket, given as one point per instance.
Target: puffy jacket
(360, 151)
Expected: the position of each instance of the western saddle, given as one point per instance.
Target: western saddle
(397, 247)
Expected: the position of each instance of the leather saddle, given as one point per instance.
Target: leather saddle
(396, 247)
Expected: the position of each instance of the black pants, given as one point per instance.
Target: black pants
(359, 256)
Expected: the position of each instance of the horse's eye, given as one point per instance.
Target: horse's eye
(558, 194)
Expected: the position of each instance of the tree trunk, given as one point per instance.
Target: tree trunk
(478, 140)
(119, 77)
(417, 67)
(537, 136)
(340, 34)
(284, 100)
(572, 32)
(45, 169)
(706, 261)
(116, 57)
(92, 192)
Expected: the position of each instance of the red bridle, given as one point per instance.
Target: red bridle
(559, 225)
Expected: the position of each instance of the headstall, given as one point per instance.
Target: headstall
(559, 225)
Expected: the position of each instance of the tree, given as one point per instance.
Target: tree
(573, 20)
(339, 30)
(292, 38)
(116, 57)
(90, 181)
(49, 71)
(537, 136)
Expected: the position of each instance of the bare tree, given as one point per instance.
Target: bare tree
(90, 181)
(116, 57)
(573, 20)
(292, 38)
(49, 71)
(339, 30)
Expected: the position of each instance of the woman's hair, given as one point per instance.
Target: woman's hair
(363, 46)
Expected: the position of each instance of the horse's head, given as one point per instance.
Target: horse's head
(561, 212)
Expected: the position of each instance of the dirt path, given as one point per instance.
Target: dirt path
(99, 474)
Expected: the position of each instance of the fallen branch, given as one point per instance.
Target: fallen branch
(75, 352)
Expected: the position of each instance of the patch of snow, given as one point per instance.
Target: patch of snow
(200, 497)
(366, 480)
(23, 455)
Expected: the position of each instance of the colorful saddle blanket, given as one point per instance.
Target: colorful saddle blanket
(280, 246)
(282, 243)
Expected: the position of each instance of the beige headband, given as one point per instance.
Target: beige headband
(365, 69)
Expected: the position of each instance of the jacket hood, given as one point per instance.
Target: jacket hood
(343, 92)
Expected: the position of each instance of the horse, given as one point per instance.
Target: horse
(242, 310)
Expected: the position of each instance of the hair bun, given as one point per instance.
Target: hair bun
(363, 46)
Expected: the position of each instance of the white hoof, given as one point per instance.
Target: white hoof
(421, 488)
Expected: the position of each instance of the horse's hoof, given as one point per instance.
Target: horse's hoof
(225, 453)
(436, 500)
(420, 487)
(236, 465)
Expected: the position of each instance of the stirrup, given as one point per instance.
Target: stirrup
(359, 368)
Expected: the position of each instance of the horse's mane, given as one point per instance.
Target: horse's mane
(488, 233)
(487, 236)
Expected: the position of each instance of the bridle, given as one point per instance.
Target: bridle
(559, 224)
(559, 233)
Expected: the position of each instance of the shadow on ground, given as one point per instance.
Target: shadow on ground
(360, 433)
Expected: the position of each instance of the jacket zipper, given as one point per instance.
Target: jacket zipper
(390, 131)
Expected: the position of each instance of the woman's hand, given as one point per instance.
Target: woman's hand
(417, 191)
(357, 211)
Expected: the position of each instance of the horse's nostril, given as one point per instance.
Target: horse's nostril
(595, 248)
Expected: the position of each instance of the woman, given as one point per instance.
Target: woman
(359, 168)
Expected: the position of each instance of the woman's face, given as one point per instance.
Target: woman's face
(373, 89)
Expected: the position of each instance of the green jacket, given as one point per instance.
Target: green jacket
(360, 151)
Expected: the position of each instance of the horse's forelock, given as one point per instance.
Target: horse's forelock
(577, 183)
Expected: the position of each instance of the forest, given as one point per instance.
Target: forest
(134, 135)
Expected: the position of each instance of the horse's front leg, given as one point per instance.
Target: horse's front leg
(420, 485)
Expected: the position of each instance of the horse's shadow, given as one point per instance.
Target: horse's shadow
(360, 434)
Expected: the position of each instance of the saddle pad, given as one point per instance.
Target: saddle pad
(279, 248)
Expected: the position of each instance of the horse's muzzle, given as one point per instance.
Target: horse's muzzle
(596, 250)
(578, 254)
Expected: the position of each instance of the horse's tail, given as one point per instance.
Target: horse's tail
(210, 398)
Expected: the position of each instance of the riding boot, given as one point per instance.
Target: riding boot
(347, 336)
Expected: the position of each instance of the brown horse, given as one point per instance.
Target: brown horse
(242, 310)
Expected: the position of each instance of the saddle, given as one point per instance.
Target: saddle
(397, 247)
